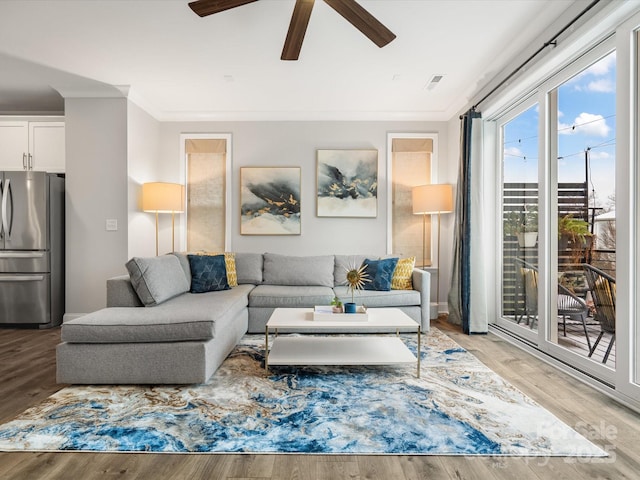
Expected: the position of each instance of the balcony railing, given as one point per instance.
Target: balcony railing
(572, 200)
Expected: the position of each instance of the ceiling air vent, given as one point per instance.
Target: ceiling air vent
(433, 82)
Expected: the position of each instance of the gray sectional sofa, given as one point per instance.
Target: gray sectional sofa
(155, 331)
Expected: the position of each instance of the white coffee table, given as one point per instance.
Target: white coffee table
(363, 349)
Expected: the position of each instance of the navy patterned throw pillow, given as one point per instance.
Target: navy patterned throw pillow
(208, 273)
(380, 273)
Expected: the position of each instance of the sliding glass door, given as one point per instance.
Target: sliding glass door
(583, 109)
(519, 147)
(558, 194)
(567, 150)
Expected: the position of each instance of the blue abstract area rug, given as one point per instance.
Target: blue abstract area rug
(457, 407)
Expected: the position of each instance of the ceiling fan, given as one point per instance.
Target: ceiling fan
(349, 9)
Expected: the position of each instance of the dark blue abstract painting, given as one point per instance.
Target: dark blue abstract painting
(270, 201)
(347, 183)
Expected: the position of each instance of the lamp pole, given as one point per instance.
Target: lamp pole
(156, 233)
(429, 200)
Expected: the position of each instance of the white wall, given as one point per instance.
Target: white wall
(143, 166)
(295, 144)
(96, 189)
(113, 147)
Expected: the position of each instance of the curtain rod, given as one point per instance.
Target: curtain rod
(537, 52)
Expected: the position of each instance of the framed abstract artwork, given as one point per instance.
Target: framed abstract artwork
(347, 183)
(270, 201)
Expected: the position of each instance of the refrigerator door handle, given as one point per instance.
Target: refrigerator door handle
(21, 278)
(6, 225)
(24, 161)
(1, 212)
(10, 254)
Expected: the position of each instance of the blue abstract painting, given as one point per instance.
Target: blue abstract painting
(347, 183)
(270, 201)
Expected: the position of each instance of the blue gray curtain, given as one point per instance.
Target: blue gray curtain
(461, 282)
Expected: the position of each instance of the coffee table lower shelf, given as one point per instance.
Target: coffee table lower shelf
(316, 350)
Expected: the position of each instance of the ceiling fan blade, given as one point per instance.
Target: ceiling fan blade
(363, 21)
(297, 29)
(208, 7)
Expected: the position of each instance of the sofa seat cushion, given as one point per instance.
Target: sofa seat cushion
(290, 296)
(376, 298)
(188, 317)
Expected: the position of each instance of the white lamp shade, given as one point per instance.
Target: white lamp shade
(428, 199)
(162, 197)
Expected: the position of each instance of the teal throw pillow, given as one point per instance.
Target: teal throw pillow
(208, 273)
(379, 273)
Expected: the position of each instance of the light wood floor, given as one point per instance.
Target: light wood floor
(27, 376)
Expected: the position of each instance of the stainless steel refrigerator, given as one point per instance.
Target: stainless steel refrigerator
(31, 249)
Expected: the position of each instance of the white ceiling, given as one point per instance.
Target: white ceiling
(179, 66)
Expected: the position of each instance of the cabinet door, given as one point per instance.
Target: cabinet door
(14, 145)
(46, 146)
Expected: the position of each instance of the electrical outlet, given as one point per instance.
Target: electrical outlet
(111, 224)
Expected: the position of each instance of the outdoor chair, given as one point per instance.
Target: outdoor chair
(603, 292)
(570, 306)
(527, 297)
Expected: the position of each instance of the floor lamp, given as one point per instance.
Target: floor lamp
(161, 197)
(429, 200)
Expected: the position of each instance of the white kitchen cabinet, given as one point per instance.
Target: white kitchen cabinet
(14, 145)
(32, 146)
(46, 146)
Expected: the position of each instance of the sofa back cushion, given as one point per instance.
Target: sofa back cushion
(184, 263)
(249, 268)
(290, 270)
(156, 279)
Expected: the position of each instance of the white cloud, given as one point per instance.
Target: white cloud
(513, 152)
(598, 69)
(595, 155)
(602, 67)
(604, 85)
(565, 129)
(586, 124)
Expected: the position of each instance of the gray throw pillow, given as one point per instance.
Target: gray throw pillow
(157, 279)
(290, 270)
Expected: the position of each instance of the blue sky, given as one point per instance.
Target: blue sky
(586, 121)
